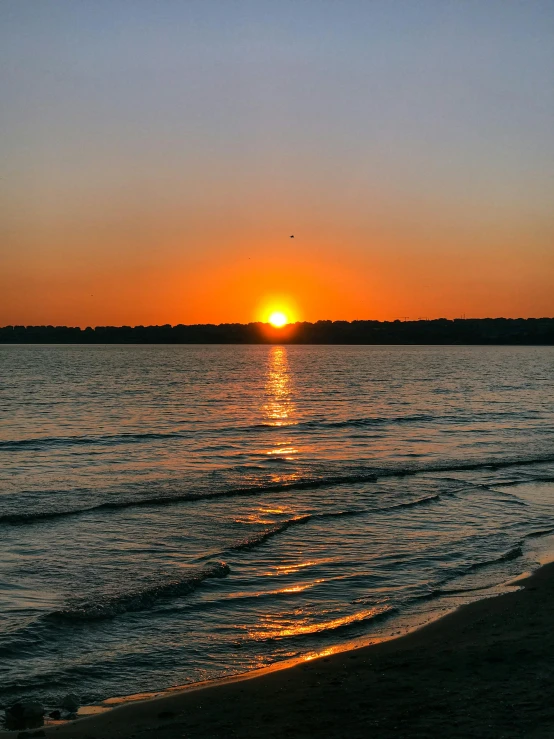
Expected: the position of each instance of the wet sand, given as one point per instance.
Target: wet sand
(486, 670)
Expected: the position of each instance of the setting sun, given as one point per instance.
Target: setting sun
(278, 319)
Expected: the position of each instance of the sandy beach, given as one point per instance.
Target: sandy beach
(486, 670)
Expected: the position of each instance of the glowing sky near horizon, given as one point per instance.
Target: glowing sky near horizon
(157, 157)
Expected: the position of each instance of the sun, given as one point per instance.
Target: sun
(278, 319)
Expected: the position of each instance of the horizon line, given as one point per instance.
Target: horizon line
(283, 328)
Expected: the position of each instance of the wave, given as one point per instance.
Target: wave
(262, 536)
(163, 500)
(138, 600)
(340, 514)
(357, 422)
(457, 591)
(45, 442)
(507, 498)
(537, 534)
(308, 483)
(337, 624)
(513, 553)
(38, 443)
(526, 481)
(371, 421)
(411, 503)
(256, 539)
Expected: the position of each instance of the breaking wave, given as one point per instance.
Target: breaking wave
(139, 600)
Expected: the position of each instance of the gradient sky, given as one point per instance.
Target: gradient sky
(156, 156)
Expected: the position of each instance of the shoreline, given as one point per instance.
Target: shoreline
(485, 669)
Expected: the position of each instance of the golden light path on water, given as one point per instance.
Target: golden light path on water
(279, 407)
(279, 410)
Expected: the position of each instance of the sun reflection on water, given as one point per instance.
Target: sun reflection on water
(279, 411)
(276, 627)
(295, 567)
(279, 407)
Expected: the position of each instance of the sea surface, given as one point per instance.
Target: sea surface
(170, 514)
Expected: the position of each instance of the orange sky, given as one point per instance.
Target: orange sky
(154, 174)
(103, 274)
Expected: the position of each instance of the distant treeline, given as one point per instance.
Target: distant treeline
(439, 331)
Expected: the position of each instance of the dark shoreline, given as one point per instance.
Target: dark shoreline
(485, 670)
(436, 332)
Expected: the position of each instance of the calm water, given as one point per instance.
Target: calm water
(170, 514)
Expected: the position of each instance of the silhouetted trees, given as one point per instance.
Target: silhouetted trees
(440, 331)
